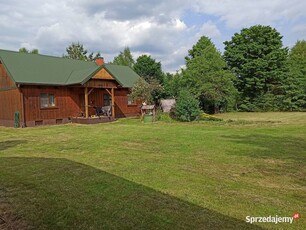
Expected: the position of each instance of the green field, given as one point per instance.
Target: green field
(130, 175)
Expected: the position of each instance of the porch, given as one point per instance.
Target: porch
(93, 102)
(92, 120)
(98, 93)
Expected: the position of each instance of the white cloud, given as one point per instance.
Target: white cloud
(152, 27)
(210, 29)
(241, 13)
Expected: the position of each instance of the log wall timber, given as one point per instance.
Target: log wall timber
(10, 103)
(97, 83)
(86, 101)
(69, 102)
(113, 102)
(66, 104)
(122, 109)
(10, 99)
(6, 82)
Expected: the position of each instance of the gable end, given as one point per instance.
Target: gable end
(103, 74)
(6, 83)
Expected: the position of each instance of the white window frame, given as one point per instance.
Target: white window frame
(130, 100)
(47, 100)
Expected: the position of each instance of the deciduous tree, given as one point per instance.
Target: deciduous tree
(25, 50)
(295, 85)
(146, 91)
(258, 59)
(124, 58)
(207, 78)
(148, 68)
(172, 85)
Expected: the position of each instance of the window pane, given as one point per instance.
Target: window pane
(47, 100)
(51, 100)
(44, 100)
(130, 100)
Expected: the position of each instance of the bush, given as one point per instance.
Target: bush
(187, 107)
(172, 113)
(148, 92)
(207, 117)
(162, 116)
(165, 117)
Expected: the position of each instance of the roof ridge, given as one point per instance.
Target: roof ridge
(23, 53)
(44, 69)
(97, 69)
(44, 55)
(110, 72)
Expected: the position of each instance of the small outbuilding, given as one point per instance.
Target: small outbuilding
(167, 104)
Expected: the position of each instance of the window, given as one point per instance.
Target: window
(107, 99)
(130, 100)
(47, 100)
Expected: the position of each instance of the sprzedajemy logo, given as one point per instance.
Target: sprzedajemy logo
(273, 219)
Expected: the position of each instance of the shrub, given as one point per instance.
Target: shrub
(172, 113)
(207, 117)
(148, 92)
(165, 117)
(162, 116)
(187, 107)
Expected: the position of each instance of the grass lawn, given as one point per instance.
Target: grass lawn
(129, 175)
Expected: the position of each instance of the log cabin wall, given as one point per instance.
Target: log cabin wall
(10, 102)
(122, 108)
(6, 82)
(67, 105)
(69, 102)
(10, 99)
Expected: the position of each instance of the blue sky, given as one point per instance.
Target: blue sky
(166, 30)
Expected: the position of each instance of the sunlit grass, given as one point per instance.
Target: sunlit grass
(186, 175)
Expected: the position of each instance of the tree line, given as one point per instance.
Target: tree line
(255, 73)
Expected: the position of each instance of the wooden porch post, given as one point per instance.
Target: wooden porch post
(113, 102)
(86, 102)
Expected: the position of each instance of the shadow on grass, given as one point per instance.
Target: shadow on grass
(62, 194)
(266, 146)
(10, 144)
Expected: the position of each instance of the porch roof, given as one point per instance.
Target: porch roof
(38, 69)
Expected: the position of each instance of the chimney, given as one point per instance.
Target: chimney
(99, 61)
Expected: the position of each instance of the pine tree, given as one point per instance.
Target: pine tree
(78, 52)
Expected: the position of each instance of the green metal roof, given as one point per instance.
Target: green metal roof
(39, 69)
(125, 76)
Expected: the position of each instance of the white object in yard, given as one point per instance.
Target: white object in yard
(167, 104)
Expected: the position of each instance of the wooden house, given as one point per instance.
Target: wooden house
(51, 90)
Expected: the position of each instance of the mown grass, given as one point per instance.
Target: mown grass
(130, 175)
